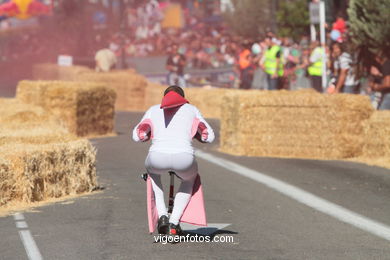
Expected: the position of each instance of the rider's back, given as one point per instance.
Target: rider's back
(173, 129)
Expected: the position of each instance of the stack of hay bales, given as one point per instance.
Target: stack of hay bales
(301, 124)
(37, 172)
(376, 147)
(39, 159)
(129, 87)
(15, 113)
(207, 99)
(86, 109)
(153, 94)
(29, 124)
(48, 71)
(31, 173)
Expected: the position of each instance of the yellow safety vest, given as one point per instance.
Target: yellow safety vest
(270, 61)
(315, 69)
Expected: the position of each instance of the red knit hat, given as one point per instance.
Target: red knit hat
(172, 99)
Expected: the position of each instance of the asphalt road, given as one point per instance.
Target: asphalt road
(263, 223)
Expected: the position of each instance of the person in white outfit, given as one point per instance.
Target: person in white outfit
(171, 126)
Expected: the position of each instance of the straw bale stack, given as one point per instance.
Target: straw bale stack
(50, 71)
(6, 181)
(31, 173)
(35, 135)
(153, 94)
(129, 87)
(293, 124)
(16, 114)
(26, 123)
(377, 135)
(85, 108)
(208, 100)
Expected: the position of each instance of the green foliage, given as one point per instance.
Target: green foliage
(250, 18)
(293, 18)
(369, 29)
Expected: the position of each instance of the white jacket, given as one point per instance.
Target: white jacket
(172, 130)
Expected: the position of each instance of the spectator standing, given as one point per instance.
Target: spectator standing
(245, 67)
(343, 70)
(289, 63)
(259, 74)
(175, 65)
(302, 80)
(315, 67)
(339, 26)
(375, 77)
(273, 64)
(105, 60)
(384, 85)
(116, 46)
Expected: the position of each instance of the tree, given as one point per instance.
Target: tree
(293, 18)
(369, 30)
(250, 18)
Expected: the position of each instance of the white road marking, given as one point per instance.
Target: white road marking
(21, 224)
(18, 216)
(205, 231)
(304, 197)
(28, 241)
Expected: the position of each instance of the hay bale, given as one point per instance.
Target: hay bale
(208, 100)
(36, 135)
(377, 135)
(51, 71)
(301, 124)
(16, 114)
(86, 109)
(26, 123)
(129, 87)
(153, 94)
(31, 173)
(6, 181)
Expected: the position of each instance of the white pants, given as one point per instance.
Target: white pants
(185, 166)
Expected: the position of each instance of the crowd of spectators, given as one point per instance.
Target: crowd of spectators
(293, 64)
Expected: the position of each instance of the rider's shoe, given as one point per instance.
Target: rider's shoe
(163, 225)
(174, 230)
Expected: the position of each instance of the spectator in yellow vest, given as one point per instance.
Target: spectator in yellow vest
(273, 64)
(315, 67)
